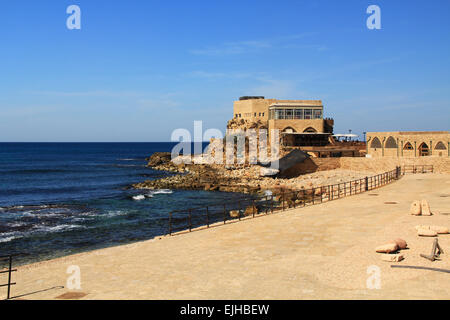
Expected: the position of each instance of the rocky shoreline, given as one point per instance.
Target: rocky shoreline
(241, 179)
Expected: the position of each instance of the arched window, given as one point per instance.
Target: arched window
(440, 146)
(408, 146)
(310, 130)
(376, 143)
(390, 143)
(424, 150)
(289, 130)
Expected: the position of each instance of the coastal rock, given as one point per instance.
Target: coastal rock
(159, 158)
(416, 209)
(250, 210)
(392, 257)
(426, 233)
(426, 208)
(387, 248)
(234, 214)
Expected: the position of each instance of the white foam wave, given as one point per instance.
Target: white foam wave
(139, 197)
(161, 191)
(60, 228)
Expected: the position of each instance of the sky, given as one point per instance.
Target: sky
(139, 69)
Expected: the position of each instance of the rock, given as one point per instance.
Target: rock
(159, 158)
(440, 229)
(387, 248)
(426, 233)
(426, 208)
(437, 229)
(249, 211)
(267, 172)
(401, 243)
(392, 257)
(234, 213)
(415, 208)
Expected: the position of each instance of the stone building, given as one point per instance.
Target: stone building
(408, 144)
(301, 122)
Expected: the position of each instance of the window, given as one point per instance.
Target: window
(408, 146)
(317, 114)
(279, 114)
(308, 113)
(298, 114)
(289, 114)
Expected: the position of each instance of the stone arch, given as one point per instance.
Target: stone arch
(390, 143)
(310, 130)
(424, 150)
(376, 143)
(289, 130)
(440, 146)
(408, 146)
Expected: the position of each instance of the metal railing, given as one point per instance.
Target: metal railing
(251, 207)
(417, 169)
(9, 271)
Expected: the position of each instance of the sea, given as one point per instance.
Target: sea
(58, 199)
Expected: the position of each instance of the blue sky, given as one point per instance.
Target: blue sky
(137, 70)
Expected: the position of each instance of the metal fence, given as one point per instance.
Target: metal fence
(417, 169)
(253, 206)
(9, 271)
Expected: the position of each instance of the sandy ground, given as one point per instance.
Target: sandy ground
(317, 252)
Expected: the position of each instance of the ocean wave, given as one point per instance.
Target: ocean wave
(7, 239)
(58, 228)
(114, 213)
(139, 197)
(161, 191)
(130, 159)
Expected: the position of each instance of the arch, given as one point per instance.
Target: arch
(376, 143)
(424, 150)
(289, 130)
(408, 146)
(440, 146)
(310, 130)
(390, 143)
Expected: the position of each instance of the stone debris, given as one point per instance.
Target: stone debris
(437, 229)
(392, 257)
(401, 243)
(426, 233)
(425, 208)
(387, 248)
(416, 208)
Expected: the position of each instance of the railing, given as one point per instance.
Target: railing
(9, 271)
(244, 208)
(417, 169)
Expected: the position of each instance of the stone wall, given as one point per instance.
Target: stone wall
(440, 165)
(375, 165)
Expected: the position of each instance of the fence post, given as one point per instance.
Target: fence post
(271, 204)
(239, 210)
(207, 216)
(313, 195)
(190, 222)
(253, 207)
(9, 278)
(224, 214)
(282, 198)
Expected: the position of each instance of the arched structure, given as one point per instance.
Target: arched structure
(440, 146)
(376, 143)
(408, 146)
(310, 130)
(424, 150)
(390, 143)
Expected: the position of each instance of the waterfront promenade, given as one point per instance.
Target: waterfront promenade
(317, 252)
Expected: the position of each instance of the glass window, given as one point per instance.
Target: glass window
(317, 114)
(289, 113)
(298, 114)
(279, 114)
(308, 113)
